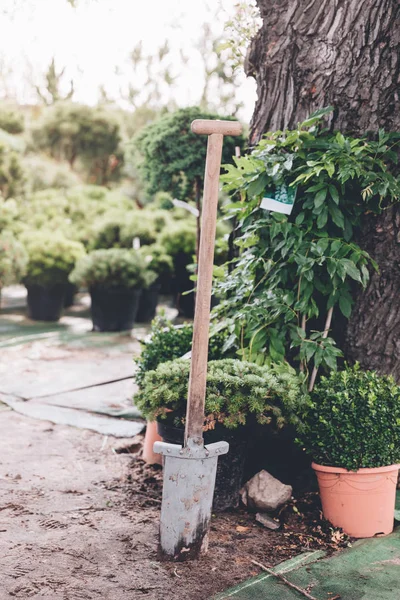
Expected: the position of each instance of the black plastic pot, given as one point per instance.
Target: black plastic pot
(45, 303)
(114, 309)
(148, 304)
(70, 291)
(230, 467)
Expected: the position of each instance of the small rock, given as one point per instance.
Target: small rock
(267, 521)
(265, 492)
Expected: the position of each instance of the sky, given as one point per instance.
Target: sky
(97, 36)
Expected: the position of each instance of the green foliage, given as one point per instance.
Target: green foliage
(171, 158)
(292, 270)
(167, 342)
(71, 131)
(12, 176)
(237, 391)
(352, 420)
(115, 267)
(157, 260)
(51, 258)
(13, 259)
(43, 173)
(180, 239)
(74, 212)
(11, 120)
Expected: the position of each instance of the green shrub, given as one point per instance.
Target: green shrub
(12, 175)
(115, 267)
(157, 260)
(237, 394)
(352, 420)
(44, 173)
(11, 121)
(51, 258)
(13, 259)
(167, 342)
(180, 239)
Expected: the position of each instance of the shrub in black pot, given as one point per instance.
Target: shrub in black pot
(238, 395)
(161, 264)
(115, 278)
(51, 258)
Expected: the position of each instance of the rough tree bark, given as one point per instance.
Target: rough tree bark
(313, 53)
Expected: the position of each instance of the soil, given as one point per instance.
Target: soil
(79, 517)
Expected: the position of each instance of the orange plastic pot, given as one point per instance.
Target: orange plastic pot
(151, 436)
(360, 502)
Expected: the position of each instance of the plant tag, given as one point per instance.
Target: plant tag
(281, 200)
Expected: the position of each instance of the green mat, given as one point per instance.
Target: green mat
(370, 570)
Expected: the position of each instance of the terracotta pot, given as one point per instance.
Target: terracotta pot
(151, 436)
(360, 502)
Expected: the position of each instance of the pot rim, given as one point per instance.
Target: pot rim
(362, 471)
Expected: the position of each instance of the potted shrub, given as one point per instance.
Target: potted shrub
(165, 342)
(161, 264)
(13, 259)
(239, 394)
(115, 279)
(351, 428)
(51, 258)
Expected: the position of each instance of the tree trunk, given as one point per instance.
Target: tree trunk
(314, 53)
(346, 53)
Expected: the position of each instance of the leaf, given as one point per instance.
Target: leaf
(334, 194)
(345, 306)
(320, 197)
(322, 218)
(337, 215)
(351, 269)
(257, 186)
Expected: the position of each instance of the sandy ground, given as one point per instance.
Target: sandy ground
(80, 522)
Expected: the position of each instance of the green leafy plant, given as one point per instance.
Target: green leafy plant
(279, 295)
(171, 158)
(168, 341)
(165, 342)
(51, 258)
(352, 420)
(111, 268)
(11, 120)
(157, 260)
(237, 394)
(13, 259)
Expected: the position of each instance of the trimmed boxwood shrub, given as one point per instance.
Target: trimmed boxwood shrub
(167, 342)
(51, 258)
(237, 394)
(352, 420)
(112, 268)
(13, 259)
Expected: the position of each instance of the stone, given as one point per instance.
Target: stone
(265, 493)
(267, 521)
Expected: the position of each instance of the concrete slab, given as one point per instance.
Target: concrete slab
(113, 399)
(120, 428)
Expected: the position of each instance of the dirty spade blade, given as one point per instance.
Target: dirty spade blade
(188, 491)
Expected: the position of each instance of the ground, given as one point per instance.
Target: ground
(77, 522)
(79, 509)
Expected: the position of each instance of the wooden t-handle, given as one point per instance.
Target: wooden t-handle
(208, 126)
(198, 366)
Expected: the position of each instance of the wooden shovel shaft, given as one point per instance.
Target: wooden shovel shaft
(198, 368)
